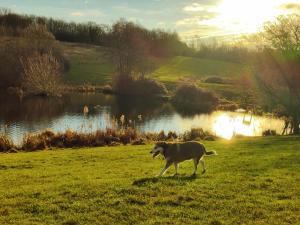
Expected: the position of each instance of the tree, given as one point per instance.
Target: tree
(278, 68)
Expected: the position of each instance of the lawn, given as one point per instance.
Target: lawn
(251, 181)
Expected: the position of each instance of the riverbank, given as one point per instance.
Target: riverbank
(251, 181)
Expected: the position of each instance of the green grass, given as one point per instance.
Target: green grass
(89, 64)
(195, 68)
(251, 181)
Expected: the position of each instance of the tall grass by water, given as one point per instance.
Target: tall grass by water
(108, 137)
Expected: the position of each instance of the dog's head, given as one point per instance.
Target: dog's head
(159, 148)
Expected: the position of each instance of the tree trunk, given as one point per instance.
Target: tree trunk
(296, 123)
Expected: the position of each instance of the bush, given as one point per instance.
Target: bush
(139, 86)
(195, 134)
(269, 133)
(36, 40)
(189, 98)
(215, 80)
(41, 74)
(227, 105)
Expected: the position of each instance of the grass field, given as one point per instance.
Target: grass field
(89, 64)
(251, 181)
(195, 68)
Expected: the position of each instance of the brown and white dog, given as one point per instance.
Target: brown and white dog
(175, 153)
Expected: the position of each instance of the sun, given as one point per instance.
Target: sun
(245, 16)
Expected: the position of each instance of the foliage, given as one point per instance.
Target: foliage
(251, 181)
(189, 98)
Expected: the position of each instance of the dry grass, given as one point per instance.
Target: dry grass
(124, 135)
(5, 143)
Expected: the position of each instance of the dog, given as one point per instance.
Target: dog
(175, 153)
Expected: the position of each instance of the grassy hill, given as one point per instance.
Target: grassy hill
(251, 181)
(195, 68)
(89, 64)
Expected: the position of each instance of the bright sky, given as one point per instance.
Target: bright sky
(187, 17)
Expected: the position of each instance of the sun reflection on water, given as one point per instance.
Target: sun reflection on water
(227, 126)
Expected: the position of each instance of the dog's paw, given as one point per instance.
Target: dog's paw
(204, 171)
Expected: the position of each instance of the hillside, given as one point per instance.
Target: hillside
(89, 64)
(251, 181)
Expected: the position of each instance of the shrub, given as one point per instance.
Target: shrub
(227, 105)
(269, 133)
(215, 80)
(139, 86)
(189, 98)
(195, 134)
(107, 89)
(41, 74)
(36, 40)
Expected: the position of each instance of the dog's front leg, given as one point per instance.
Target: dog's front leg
(168, 164)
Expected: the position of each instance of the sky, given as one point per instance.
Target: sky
(202, 18)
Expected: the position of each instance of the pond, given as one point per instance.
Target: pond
(20, 117)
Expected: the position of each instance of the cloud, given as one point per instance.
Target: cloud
(127, 9)
(291, 6)
(87, 13)
(77, 13)
(194, 7)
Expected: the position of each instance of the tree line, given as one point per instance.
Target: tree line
(158, 42)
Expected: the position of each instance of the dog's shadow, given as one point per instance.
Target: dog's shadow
(172, 179)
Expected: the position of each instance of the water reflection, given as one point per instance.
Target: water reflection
(37, 114)
(228, 124)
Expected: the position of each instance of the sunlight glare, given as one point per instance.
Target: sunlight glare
(226, 126)
(248, 16)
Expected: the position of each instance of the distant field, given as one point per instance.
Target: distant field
(251, 181)
(182, 67)
(89, 65)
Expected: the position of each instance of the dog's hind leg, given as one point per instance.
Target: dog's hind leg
(168, 164)
(196, 162)
(176, 169)
(203, 165)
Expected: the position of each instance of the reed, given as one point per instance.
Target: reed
(5, 143)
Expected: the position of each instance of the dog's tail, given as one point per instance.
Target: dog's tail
(210, 153)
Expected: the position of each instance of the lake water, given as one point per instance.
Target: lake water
(20, 117)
